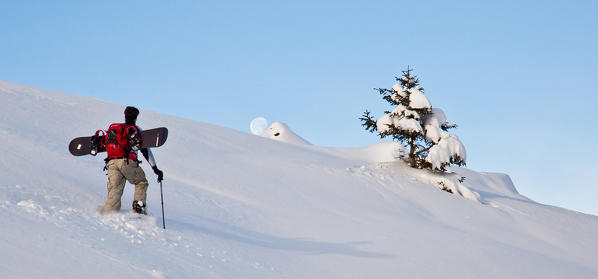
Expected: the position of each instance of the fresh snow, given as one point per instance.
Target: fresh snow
(433, 124)
(409, 124)
(436, 117)
(245, 206)
(448, 146)
(417, 99)
(398, 118)
(383, 122)
(399, 89)
(281, 132)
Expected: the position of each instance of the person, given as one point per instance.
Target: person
(122, 163)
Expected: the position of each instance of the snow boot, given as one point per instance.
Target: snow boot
(139, 207)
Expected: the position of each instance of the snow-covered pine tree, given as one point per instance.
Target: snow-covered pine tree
(414, 123)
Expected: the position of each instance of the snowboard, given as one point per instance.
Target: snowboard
(149, 138)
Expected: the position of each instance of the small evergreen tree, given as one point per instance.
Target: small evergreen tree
(415, 124)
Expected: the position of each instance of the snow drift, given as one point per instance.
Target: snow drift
(281, 132)
(243, 206)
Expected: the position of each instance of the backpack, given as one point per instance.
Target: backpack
(122, 141)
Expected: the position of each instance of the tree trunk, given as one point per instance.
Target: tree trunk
(412, 159)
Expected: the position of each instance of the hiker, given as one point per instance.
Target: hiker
(123, 142)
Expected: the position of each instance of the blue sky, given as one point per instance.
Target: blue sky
(518, 77)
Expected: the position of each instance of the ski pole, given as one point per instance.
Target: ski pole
(162, 199)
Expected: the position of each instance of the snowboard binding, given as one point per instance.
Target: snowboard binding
(133, 140)
(97, 142)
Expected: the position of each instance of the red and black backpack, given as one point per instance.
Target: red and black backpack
(122, 141)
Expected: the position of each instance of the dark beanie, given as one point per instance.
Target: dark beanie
(131, 114)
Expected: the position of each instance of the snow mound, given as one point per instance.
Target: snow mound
(494, 183)
(281, 132)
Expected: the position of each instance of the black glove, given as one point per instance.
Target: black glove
(159, 173)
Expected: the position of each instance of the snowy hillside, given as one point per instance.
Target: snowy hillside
(244, 206)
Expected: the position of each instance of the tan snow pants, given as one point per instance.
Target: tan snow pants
(119, 171)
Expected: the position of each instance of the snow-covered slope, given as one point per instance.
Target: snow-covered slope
(243, 206)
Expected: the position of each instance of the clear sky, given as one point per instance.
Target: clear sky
(518, 77)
